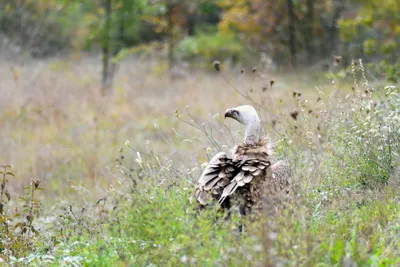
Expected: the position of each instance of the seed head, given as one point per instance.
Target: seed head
(338, 59)
(294, 114)
(296, 93)
(36, 183)
(217, 65)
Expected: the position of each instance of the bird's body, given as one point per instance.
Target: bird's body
(247, 174)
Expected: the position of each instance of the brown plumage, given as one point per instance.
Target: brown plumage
(247, 174)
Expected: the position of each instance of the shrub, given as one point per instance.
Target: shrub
(18, 234)
(206, 47)
(365, 135)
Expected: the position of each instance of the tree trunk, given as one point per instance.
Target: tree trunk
(338, 8)
(309, 33)
(191, 16)
(106, 48)
(292, 37)
(171, 36)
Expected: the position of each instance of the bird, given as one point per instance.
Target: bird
(249, 174)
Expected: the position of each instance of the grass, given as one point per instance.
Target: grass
(117, 172)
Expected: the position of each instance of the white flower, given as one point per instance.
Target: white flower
(273, 235)
(139, 158)
(184, 259)
(257, 247)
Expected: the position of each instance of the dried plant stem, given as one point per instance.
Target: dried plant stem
(3, 183)
(29, 217)
(201, 127)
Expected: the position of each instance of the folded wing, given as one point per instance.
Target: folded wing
(224, 175)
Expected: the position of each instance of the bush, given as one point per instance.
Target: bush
(29, 28)
(365, 136)
(206, 47)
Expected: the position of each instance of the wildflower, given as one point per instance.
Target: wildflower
(257, 247)
(184, 259)
(273, 235)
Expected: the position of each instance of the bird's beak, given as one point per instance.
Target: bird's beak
(228, 113)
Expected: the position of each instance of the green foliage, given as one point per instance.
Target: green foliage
(126, 23)
(206, 47)
(30, 26)
(162, 228)
(374, 29)
(366, 137)
(17, 232)
(352, 29)
(386, 69)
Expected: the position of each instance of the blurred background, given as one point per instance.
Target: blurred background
(281, 34)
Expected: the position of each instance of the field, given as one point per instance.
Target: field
(117, 172)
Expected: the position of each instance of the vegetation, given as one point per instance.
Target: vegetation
(346, 210)
(102, 173)
(290, 33)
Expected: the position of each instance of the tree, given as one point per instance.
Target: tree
(108, 66)
(106, 23)
(169, 16)
(309, 28)
(373, 29)
(35, 26)
(292, 37)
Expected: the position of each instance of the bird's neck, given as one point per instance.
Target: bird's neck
(252, 133)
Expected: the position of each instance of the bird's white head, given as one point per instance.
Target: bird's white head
(246, 115)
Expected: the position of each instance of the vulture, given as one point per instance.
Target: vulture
(249, 174)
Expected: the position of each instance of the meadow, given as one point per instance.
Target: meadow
(94, 180)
